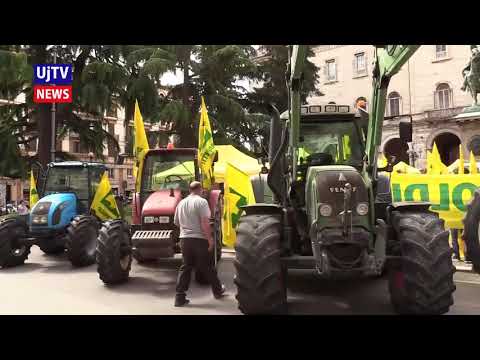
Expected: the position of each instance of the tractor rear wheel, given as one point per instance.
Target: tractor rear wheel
(260, 277)
(81, 241)
(471, 231)
(114, 252)
(12, 253)
(422, 281)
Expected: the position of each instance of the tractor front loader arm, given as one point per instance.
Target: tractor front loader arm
(389, 59)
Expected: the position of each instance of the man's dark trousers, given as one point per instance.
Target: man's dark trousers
(196, 255)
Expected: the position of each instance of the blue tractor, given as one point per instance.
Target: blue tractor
(60, 221)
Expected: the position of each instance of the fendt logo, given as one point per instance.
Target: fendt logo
(52, 83)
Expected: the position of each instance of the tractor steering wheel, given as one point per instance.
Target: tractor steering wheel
(167, 178)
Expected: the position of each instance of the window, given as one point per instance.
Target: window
(75, 146)
(440, 51)
(331, 70)
(443, 96)
(130, 172)
(111, 173)
(359, 64)
(394, 104)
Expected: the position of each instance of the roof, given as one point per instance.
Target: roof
(75, 164)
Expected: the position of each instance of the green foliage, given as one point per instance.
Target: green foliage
(271, 74)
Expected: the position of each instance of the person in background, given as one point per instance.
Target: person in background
(22, 208)
(192, 216)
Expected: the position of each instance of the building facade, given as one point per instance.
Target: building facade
(427, 88)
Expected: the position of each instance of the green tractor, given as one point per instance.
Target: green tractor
(333, 212)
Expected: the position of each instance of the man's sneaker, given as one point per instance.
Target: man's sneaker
(181, 302)
(221, 293)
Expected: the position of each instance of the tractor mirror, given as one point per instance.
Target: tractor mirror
(405, 131)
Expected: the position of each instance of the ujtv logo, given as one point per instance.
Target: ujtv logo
(52, 83)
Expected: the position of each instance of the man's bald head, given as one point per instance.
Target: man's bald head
(195, 187)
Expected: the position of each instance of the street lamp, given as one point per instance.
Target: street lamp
(53, 123)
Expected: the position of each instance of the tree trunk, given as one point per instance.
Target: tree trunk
(43, 120)
(43, 112)
(187, 138)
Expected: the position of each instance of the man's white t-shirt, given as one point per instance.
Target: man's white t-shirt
(188, 215)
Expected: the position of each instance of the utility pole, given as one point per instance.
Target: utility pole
(54, 110)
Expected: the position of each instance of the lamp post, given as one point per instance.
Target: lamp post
(53, 122)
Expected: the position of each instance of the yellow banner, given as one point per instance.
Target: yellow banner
(206, 148)
(33, 191)
(238, 192)
(140, 146)
(449, 194)
(104, 204)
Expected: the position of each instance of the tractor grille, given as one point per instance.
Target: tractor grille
(158, 234)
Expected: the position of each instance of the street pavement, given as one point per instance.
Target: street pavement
(48, 285)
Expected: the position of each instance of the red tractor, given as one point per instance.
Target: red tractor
(165, 180)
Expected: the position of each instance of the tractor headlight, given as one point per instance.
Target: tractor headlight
(326, 210)
(40, 219)
(362, 209)
(148, 219)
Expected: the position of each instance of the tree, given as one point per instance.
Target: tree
(105, 77)
(271, 74)
(211, 71)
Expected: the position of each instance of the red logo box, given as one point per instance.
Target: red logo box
(48, 94)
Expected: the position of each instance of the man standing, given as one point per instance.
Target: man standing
(192, 216)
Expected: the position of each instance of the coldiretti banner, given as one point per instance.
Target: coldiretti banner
(449, 194)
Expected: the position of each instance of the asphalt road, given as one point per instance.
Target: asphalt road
(48, 285)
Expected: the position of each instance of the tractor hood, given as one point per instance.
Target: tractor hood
(326, 185)
(161, 203)
(58, 209)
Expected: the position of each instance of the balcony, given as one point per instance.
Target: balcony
(443, 114)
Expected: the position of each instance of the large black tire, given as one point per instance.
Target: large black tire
(81, 240)
(11, 254)
(471, 231)
(114, 252)
(260, 277)
(422, 281)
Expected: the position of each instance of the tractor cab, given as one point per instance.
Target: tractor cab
(74, 177)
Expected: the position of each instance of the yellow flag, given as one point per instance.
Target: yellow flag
(104, 203)
(140, 146)
(238, 192)
(33, 191)
(437, 167)
(461, 163)
(473, 164)
(206, 148)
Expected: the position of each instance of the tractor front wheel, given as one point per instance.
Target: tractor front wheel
(114, 252)
(12, 253)
(260, 277)
(471, 233)
(81, 241)
(422, 281)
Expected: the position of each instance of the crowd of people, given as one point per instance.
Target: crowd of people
(21, 208)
